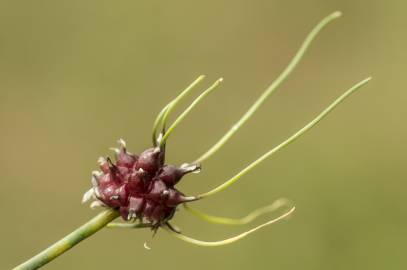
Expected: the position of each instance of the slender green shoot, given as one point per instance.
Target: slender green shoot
(280, 79)
(229, 240)
(162, 117)
(157, 123)
(238, 221)
(69, 241)
(286, 142)
(187, 110)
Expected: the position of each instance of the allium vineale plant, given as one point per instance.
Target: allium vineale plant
(142, 188)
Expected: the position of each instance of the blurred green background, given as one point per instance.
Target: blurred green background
(77, 75)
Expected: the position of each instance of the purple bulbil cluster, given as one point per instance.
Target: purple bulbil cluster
(140, 187)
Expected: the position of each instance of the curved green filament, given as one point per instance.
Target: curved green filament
(238, 221)
(187, 110)
(286, 142)
(229, 240)
(280, 79)
(162, 117)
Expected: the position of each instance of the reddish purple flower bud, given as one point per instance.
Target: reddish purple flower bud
(149, 209)
(136, 182)
(123, 194)
(157, 190)
(104, 165)
(105, 179)
(109, 195)
(124, 212)
(125, 159)
(175, 198)
(150, 160)
(136, 204)
(158, 214)
(171, 174)
(140, 187)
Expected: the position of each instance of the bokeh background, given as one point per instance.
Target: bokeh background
(77, 75)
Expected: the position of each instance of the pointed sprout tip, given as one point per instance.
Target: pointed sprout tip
(271, 88)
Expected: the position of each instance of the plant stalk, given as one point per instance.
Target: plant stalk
(69, 241)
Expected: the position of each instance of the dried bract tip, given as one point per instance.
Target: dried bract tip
(191, 168)
(146, 246)
(122, 143)
(97, 204)
(101, 161)
(97, 174)
(88, 195)
(95, 181)
(114, 149)
(159, 138)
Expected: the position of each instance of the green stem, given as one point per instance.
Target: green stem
(291, 139)
(161, 120)
(69, 241)
(273, 87)
(187, 110)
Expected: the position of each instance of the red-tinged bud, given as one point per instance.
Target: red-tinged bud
(104, 165)
(124, 212)
(136, 184)
(123, 171)
(125, 159)
(148, 209)
(136, 204)
(123, 193)
(110, 195)
(139, 187)
(158, 214)
(158, 190)
(105, 179)
(175, 198)
(171, 174)
(150, 160)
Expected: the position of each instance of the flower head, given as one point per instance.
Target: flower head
(142, 188)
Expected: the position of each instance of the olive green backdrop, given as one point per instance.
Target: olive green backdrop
(77, 75)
